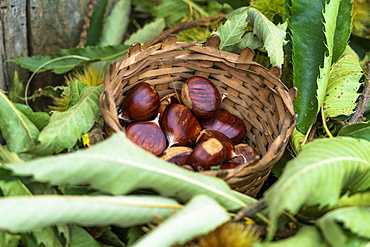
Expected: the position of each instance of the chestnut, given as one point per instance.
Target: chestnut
(147, 135)
(177, 155)
(179, 125)
(246, 154)
(207, 154)
(227, 123)
(226, 142)
(165, 101)
(140, 104)
(201, 96)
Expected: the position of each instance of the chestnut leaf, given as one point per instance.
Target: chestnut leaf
(335, 223)
(307, 236)
(327, 29)
(47, 210)
(201, 215)
(17, 130)
(344, 82)
(65, 128)
(68, 59)
(319, 175)
(118, 166)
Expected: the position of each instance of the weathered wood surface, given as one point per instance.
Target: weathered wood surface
(37, 27)
(13, 38)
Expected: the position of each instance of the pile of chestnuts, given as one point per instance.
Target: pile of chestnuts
(190, 130)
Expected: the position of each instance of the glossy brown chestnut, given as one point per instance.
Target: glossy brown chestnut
(207, 154)
(177, 155)
(147, 135)
(225, 141)
(140, 104)
(165, 101)
(180, 125)
(246, 154)
(227, 123)
(201, 96)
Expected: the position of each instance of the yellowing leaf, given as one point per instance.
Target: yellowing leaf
(344, 82)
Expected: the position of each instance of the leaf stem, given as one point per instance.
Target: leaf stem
(253, 209)
(306, 136)
(324, 123)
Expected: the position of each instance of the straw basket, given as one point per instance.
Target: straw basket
(254, 93)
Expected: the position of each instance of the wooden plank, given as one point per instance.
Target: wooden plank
(55, 25)
(13, 39)
(52, 26)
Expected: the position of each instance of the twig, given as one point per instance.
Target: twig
(311, 134)
(251, 210)
(181, 27)
(86, 25)
(363, 99)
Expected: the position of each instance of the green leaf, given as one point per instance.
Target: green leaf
(358, 199)
(39, 119)
(326, 33)
(46, 236)
(307, 38)
(167, 7)
(357, 130)
(330, 16)
(116, 23)
(7, 156)
(134, 234)
(341, 92)
(144, 8)
(94, 31)
(250, 40)
(75, 91)
(65, 128)
(201, 215)
(17, 130)
(334, 224)
(149, 31)
(343, 28)
(124, 211)
(17, 89)
(234, 3)
(14, 188)
(68, 59)
(307, 236)
(344, 167)
(81, 238)
(112, 236)
(9, 240)
(297, 139)
(273, 37)
(233, 29)
(118, 166)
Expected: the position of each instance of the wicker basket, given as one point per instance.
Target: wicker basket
(254, 93)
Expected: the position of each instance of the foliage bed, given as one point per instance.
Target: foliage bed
(63, 184)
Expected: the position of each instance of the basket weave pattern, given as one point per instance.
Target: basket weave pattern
(254, 93)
